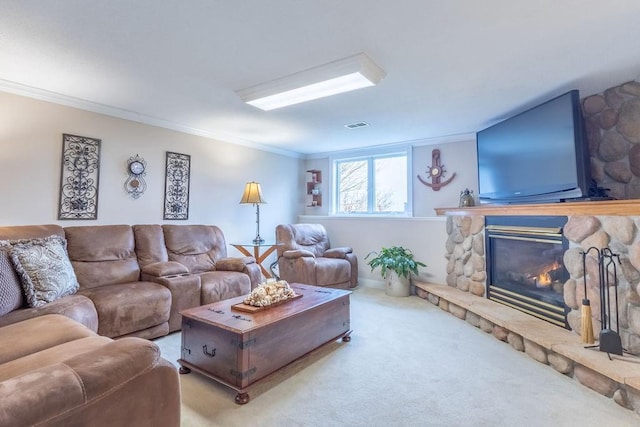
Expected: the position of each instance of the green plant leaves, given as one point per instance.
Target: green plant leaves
(395, 258)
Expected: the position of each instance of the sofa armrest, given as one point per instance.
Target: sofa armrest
(185, 293)
(166, 268)
(297, 253)
(337, 252)
(234, 264)
(76, 307)
(96, 388)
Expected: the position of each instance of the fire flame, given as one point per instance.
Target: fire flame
(544, 278)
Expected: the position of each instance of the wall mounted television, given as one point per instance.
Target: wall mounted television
(538, 156)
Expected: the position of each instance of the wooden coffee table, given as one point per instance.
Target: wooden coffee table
(237, 348)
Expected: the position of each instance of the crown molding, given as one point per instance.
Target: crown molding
(121, 113)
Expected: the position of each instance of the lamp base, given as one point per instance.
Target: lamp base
(258, 241)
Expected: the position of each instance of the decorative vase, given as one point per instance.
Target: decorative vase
(397, 286)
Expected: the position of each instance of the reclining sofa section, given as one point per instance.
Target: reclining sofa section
(134, 280)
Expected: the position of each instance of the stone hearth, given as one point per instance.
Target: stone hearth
(562, 350)
(464, 294)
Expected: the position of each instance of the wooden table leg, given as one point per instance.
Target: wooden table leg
(258, 257)
(242, 398)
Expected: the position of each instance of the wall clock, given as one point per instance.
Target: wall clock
(135, 184)
(436, 173)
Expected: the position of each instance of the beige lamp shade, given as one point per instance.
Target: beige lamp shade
(252, 193)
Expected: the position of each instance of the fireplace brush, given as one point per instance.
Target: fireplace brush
(610, 340)
(586, 321)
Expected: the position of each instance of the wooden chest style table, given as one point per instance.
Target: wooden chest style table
(237, 348)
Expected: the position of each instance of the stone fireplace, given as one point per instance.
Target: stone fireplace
(607, 224)
(469, 265)
(525, 268)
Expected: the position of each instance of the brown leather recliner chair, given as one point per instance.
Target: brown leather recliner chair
(305, 255)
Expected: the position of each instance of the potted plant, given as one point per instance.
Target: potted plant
(396, 264)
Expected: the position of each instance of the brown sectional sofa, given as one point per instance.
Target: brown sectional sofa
(57, 372)
(80, 359)
(134, 280)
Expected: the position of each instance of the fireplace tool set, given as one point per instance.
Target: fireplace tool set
(609, 340)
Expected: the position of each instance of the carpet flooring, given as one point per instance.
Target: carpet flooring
(408, 364)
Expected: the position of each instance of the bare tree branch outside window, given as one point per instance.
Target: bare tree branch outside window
(389, 185)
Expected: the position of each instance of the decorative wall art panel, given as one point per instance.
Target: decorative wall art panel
(176, 188)
(79, 177)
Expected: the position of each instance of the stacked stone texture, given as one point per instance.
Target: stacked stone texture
(613, 132)
(465, 254)
(621, 235)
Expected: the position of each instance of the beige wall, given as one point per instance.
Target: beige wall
(30, 160)
(426, 238)
(31, 142)
(425, 233)
(457, 157)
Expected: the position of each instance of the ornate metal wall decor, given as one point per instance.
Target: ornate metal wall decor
(436, 173)
(176, 187)
(135, 184)
(79, 177)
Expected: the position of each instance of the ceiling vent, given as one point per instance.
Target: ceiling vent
(356, 125)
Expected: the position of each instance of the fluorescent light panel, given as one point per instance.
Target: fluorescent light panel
(340, 76)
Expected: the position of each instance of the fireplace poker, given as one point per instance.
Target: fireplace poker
(610, 341)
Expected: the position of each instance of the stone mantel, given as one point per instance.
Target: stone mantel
(605, 207)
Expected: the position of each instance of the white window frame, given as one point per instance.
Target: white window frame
(370, 155)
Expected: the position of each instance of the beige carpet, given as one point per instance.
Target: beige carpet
(408, 364)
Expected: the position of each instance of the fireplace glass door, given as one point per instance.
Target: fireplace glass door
(526, 269)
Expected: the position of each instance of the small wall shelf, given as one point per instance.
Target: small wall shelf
(314, 188)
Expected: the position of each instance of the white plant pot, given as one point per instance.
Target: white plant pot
(397, 286)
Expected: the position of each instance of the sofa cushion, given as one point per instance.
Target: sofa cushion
(150, 247)
(49, 356)
(11, 294)
(75, 307)
(331, 271)
(102, 254)
(44, 269)
(129, 307)
(221, 285)
(37, 334)
(198, 247)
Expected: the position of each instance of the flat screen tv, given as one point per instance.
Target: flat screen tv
(538, 156)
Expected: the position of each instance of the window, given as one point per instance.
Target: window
(376, 184)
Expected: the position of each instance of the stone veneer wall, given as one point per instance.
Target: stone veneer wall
(465, 254)
(466, 271)
(620, 234)
(612, 120)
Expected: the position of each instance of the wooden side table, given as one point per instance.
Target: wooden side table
(257, 247)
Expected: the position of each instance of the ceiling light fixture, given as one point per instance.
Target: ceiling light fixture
(339, 76)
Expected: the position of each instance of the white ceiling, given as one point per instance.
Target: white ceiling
(453, 67)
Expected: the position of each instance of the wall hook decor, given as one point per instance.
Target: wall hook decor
(436, 172)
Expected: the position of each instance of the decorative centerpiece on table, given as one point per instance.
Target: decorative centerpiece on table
(267, 294)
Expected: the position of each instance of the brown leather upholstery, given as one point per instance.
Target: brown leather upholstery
(203, 250)
(305, 256)
(135, 280)
(102, 254)
(106, 265)
(76, 307)
(55, 372)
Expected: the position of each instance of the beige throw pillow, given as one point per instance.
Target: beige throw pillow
(44, 269)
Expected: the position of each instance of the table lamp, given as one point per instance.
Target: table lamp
(253, 194)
